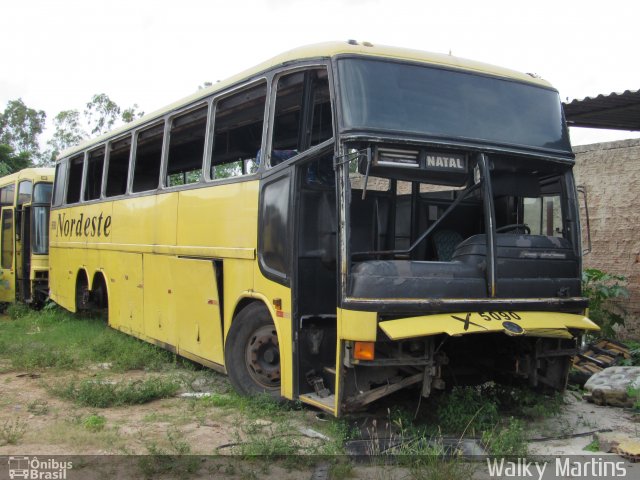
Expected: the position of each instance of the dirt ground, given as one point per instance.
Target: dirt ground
(55, 427)
(132, 435)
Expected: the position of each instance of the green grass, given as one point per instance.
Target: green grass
(104, 394)
(94, 422)
(506, 440)
(258, 406)
(594, 446)
(54, 338)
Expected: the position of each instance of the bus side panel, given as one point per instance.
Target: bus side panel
(62, 280)
(282, 320)
(159, 299)
(145, 221)
(197, 308)
(225, 216)
(125, 291)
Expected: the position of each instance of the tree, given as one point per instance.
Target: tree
(10, 162)
(101, 113)
(20, 127)
(69, 132)
(130, 114)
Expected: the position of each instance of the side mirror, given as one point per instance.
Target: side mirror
(582, 189)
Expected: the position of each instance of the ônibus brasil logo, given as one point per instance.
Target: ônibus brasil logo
(33, 468)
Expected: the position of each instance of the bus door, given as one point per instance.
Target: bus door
(23, 252)
(315, 280)
(7, 254)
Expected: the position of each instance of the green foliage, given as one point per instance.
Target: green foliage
(20, 127)
(509, 440)
(467, 410)
(54, 338)
(94, 422)
(594, 446)
(634, 394)
(103, 393)
(132, 113)
(604, 290)
(68, 132)
(11, 162)
(102, 113)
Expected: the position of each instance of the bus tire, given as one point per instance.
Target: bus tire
(252, 353)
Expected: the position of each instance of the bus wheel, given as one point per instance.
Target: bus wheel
(252, 353)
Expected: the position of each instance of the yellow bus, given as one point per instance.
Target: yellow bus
(333, 225)
(25, 199)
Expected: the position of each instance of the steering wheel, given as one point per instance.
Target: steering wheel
(514, 226)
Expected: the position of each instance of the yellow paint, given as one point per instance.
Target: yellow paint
(355, 325)
(38, 262)
(197, 308)
(542, 324)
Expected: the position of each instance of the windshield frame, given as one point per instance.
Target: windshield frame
(499, 145)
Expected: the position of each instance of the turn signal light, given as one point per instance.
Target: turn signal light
(364, 351)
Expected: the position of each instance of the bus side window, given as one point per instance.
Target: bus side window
(24, 192)
(238, 132)
(146, 173)
(7, 239)
(74, 185)
(118, 167)
(302, 117)
(186, 148)
(60, 180)
(93, 182)
(6, 195)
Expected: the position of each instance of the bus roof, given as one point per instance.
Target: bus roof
(321, 51)
(35, 174)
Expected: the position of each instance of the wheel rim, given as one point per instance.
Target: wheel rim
(262, 357)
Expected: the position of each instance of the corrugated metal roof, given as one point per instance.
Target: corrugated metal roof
(616, 111)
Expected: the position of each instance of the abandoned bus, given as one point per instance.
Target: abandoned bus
(25, 199)
(334, 225)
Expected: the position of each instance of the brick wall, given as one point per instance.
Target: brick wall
(611, 174)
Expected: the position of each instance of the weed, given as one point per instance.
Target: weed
(94, 422)
(17, 310)
(175, 459)
(467, 410)
(103, 394)
(507, 440)
(634, 396)
(604, 291)
(594, 446)
(38, 407)
(12, 431)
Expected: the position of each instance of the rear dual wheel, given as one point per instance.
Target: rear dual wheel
(252, 352)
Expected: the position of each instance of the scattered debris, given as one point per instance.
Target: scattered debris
(101, 366)
(619, 443)
(595, 357)
(308, 432)
(611, 386)
(195, 394)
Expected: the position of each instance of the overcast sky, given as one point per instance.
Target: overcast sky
(56, 54)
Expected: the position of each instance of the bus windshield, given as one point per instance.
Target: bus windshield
(440, 103)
